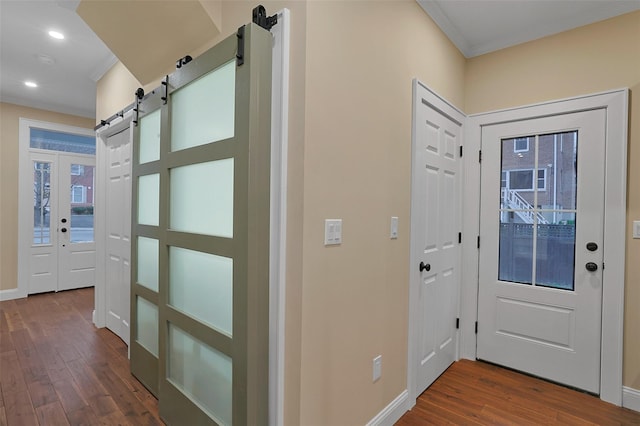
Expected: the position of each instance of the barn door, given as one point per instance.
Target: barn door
(201, 236)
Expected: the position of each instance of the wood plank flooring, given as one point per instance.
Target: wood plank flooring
(477, 393)
(56, 368)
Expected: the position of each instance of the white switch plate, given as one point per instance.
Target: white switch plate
(332, 232)
(394, 227)
(377, 368)
(636, 229)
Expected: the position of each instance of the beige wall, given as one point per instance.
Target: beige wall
(9, 129)
(594, 58)
(357, 166)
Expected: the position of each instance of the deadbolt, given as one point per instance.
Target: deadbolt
(591, 246)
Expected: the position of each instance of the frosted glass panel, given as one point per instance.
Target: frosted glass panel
(150, 137)
(147, 321)
(201, 285)
(203, 111)
(148, 263)
(203, 374)
(202, 198)
(148, 199)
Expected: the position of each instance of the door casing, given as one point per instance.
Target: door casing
(615, 103)
(25, 196)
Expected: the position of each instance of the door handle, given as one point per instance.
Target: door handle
(591, 267)
(425, 267)
(63, 230)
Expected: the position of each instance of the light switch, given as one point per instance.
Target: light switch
(394, 227)
(636, 229)
(332, 232)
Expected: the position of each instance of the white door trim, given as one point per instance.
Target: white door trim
(615, 103)
(25, 197)
(441, 105)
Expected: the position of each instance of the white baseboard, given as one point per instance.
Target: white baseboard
(12, 293)
(631, 398)
(392, 412)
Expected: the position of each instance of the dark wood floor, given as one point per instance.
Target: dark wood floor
(477, 393)
(56, 369)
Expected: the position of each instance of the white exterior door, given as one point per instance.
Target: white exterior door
(435, 245)
(118, 226)
(541, 234)
(62, 249)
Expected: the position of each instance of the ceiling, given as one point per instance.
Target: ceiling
(477, 27)
(67, 70)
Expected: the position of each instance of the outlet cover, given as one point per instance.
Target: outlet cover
(377, 368)
(636, 229)
(394, 227)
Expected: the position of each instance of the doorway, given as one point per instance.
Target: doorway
(613, 105)
(56, 205)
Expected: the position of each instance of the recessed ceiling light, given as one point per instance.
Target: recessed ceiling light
(30, 84)
(45, 59)
(57, 35)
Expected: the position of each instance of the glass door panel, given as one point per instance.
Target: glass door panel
(201, 285)
(148, 251)
(150, 137)
(202, 198)
(81, 203)
(149, 199)
(147, 320)
(41, 202)
(538, 185)
(204, 111)
(202, 373)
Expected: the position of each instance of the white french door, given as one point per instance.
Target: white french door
(62, 247)
(541, 255)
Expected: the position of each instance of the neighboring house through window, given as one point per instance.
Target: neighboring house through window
(77, 170)
(521, 144)
(78, 194)
(523, 180)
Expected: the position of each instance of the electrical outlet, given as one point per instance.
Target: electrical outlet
(377, 368)
(636, 229)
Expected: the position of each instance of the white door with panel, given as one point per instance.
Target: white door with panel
(435, 247)
(62, 250)
(118, 225)
(541, 233)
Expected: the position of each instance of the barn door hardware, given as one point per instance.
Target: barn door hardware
(260, 18)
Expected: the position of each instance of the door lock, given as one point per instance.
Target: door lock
(425, 267)
(591, 267)
(63, 230)
(591, 246)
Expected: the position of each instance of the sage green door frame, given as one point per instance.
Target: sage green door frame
(248, 345)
